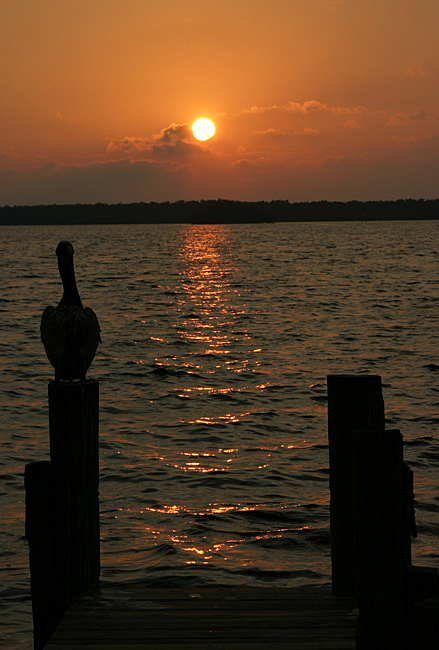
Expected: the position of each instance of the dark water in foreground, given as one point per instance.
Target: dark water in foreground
(217, 341)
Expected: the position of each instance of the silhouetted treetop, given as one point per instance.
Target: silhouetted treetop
(219, 211)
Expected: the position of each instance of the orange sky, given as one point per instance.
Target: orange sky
(312, 100)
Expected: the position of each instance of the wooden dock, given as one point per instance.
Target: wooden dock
(209, 618)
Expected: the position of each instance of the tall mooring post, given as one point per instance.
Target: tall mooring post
(62, 507)
(355, 403)
(381, 569)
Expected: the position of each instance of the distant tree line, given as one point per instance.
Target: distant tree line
(219, 211)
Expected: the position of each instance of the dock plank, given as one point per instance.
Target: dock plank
(208, 618)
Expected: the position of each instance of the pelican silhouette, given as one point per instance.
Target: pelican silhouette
(70, 333)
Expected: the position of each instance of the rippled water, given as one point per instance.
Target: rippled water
(217, 341)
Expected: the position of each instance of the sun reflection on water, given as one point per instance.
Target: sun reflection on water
(213, 393)
(201, 550)
(206, 267)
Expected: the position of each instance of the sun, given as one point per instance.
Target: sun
(203, 129)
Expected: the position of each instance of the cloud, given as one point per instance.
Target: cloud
(406, 118)
(9, 158)
(279, 134)
(306, 108)
(416, 71)
(174, 140)
(243, 164)
(308, 132)
(129, 145)
(409, 169)
(425, 142)
(353, 124)
(251, 161)
(122, 181)
(271, 133)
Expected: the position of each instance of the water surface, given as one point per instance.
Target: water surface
(217, 341)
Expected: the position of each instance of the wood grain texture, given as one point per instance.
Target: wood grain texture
(232, 618)
(355, 403)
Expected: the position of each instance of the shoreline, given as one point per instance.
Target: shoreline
(220, 211)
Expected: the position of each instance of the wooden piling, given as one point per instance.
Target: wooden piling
(62, 508)
(408, 505)
(379, 544)
(47, 608)
(74, 452)
(355, 403)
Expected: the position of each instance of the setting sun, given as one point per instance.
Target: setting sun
(203, 129)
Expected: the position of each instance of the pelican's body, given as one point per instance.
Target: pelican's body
(70, 333)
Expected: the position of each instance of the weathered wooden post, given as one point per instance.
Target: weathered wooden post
(355, 403)
(379, 546)
(62, 508)
(74, 452)
(409, 522)
(40, 521)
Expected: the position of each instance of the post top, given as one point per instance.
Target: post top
(52, 382)
(346, 377)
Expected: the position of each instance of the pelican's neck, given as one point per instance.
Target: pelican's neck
(67, 273)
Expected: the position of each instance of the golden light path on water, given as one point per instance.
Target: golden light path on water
(208, 297)
(209, 305)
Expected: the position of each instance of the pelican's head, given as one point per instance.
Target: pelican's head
(64, 249)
